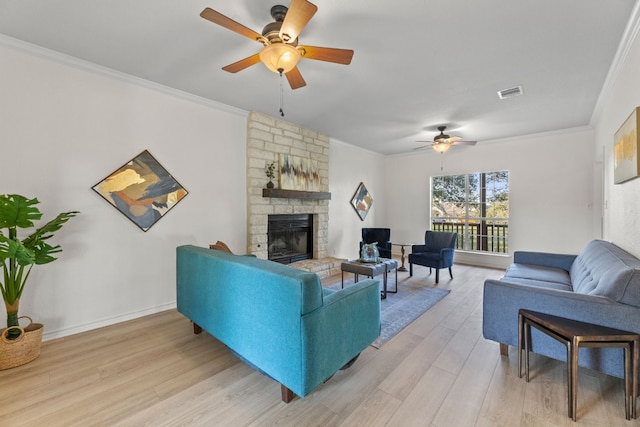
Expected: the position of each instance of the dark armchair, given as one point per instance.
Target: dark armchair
(437, 252)
(380, 235)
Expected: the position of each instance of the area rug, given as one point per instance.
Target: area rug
(399, 310)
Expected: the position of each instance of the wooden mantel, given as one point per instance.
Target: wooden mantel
(295, 194)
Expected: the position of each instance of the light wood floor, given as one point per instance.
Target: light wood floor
(439, 371)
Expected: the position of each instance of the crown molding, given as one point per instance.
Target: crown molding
(629, 36)
(55, 56)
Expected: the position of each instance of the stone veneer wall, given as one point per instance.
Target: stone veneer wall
(267, 137)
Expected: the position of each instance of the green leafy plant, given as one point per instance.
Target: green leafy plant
(271, 170)
(18, 255)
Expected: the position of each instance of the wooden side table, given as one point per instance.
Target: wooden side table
(574, 334)
(402, 245)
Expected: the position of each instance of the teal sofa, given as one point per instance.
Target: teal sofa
(278, 319)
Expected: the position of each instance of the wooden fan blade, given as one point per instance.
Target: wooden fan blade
(329, 54)
(464, 142)
(297, 17)
(295, 78)
(242, 64)
(230, 24)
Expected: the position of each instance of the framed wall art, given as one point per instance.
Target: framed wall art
(625, 150)
(362, 201)
(298, 173)
(142, 190)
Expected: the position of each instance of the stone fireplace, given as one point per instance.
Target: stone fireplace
(267, 138)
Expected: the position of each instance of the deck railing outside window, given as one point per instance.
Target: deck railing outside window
(483, 236)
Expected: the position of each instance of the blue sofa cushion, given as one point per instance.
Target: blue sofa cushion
(538, 283)
(538, 273)
(604, 269)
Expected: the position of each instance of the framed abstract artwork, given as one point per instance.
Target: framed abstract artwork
(626, 164)
(142, 190)
(298, 173)
(362, 201)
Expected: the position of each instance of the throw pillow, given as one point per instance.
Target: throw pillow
(220, 246)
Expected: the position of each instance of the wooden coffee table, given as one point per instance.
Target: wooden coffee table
(371, 270)
(574, 334)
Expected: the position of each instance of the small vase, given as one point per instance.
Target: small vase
(270, 184)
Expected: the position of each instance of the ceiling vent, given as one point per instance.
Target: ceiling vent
(510, 93)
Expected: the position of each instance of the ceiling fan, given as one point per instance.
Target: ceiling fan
(443, 142)
(281, 52)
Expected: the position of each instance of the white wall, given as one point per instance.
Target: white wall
(348, 167)
(621, 202)
(550, 186)
(65, 126)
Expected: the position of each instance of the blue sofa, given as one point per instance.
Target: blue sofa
(276, 318)
(601, 285)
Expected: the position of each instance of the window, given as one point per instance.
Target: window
(476, 206)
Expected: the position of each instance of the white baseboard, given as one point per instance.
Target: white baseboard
(59, 333)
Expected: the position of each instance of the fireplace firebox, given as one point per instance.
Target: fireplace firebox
(290, 237)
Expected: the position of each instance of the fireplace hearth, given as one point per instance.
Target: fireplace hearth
(290, 238)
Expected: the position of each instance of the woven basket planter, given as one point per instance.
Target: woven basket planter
(22, 350)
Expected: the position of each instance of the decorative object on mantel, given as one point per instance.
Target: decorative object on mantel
(362, 201)
(298, 173)
(142, 190)
(20, 345)
(626, 163)
(271, 173)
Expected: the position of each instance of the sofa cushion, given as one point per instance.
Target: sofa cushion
(538, 273)
(538, 283)
(604, 269)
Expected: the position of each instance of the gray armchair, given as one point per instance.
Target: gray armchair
(437, 252)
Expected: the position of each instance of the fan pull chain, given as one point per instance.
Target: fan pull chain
(281, 94)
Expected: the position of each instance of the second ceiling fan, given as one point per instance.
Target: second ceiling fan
(443, 142)
(281, 51)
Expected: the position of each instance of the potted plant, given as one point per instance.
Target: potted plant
(20, 253)
(271, 173)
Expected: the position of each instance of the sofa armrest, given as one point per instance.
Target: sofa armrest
(347, 323)
(502, 300)
(447, 255)
(545, 259)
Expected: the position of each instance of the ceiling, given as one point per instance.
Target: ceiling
(418, 64)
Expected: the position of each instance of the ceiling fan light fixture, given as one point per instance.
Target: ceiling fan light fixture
(280, 57)
(441, 147)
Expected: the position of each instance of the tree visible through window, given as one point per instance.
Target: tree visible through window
(474, 205)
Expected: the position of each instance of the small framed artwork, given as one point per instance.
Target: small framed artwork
(626, 164)
(142, 190)
(362, 201)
